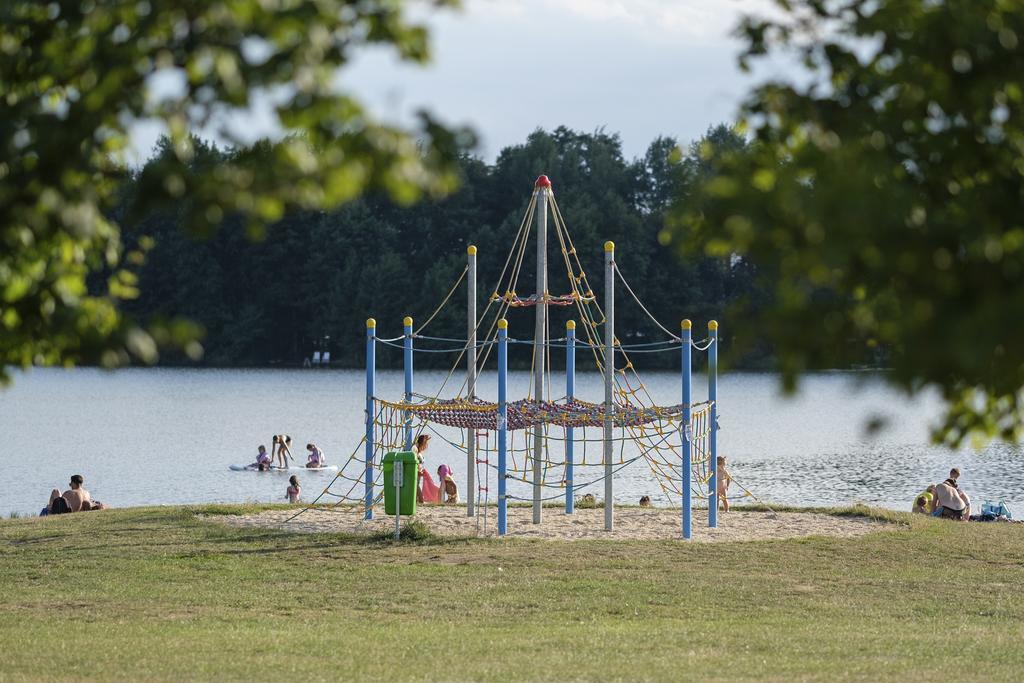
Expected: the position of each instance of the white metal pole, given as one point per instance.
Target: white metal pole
(471, 381)
(609, 380)
(542, 188)
(397, 470)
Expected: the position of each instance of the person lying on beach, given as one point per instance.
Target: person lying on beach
(316, 456)
(724, 479)
(281, 448)
(951, 502)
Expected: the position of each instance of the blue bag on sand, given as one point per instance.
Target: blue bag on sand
(999, 510)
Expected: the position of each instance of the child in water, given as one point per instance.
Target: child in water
(294, 490)
(316, 456)
(724, 479)
(262, 459)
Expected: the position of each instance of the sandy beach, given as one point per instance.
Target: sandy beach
(630, 523)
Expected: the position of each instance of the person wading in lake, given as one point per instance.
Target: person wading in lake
(950, 500)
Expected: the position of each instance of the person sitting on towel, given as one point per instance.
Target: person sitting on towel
(75, 499)
(950, 500)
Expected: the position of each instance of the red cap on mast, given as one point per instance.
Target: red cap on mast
(542, 181)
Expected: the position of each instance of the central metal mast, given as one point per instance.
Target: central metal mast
(543, 189)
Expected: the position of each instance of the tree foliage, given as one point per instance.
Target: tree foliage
(76, 76)
(882, 196)
(320, 274)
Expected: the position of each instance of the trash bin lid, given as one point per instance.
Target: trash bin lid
(399, 456)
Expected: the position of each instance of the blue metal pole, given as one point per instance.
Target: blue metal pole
(407, 357)
(570, 394)
(371, 367)
(687, 431)
(713, 426)
(502, 423)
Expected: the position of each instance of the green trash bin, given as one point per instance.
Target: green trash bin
(407, 490)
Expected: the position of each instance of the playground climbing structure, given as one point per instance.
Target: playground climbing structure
(555, 447)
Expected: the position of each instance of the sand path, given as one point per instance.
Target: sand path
(630, 523)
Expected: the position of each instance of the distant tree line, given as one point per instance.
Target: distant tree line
(311, 279)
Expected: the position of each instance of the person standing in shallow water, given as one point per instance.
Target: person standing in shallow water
(294, 490)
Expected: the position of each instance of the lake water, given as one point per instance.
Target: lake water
(166, 436)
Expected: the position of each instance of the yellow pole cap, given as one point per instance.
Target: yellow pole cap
(609, 246)
(370, 323)
(712, 324)
(407, 321)
(570, 324)
(502, 324)
(471, 250)
(685, 324)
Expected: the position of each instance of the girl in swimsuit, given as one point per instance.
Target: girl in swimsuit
(294, 490)
(316, 456)
(282, 449)
(724, 479)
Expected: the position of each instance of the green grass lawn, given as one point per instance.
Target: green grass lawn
(157, 594)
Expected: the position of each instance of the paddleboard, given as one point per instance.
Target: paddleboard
(275, 468)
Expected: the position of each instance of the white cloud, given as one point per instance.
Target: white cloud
(695, 21)
(641, 68)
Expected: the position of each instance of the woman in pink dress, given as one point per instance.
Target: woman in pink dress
(428, 491)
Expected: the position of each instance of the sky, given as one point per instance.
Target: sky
(640, 68)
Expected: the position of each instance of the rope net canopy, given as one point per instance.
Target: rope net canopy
(513, 300)
(525, 413)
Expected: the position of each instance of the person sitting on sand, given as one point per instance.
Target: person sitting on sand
(724, 479)
(316, 456)
(950, 500)
(281, 448)
(645, 501)
(294, 490)
(448, 485)
(924, 502)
